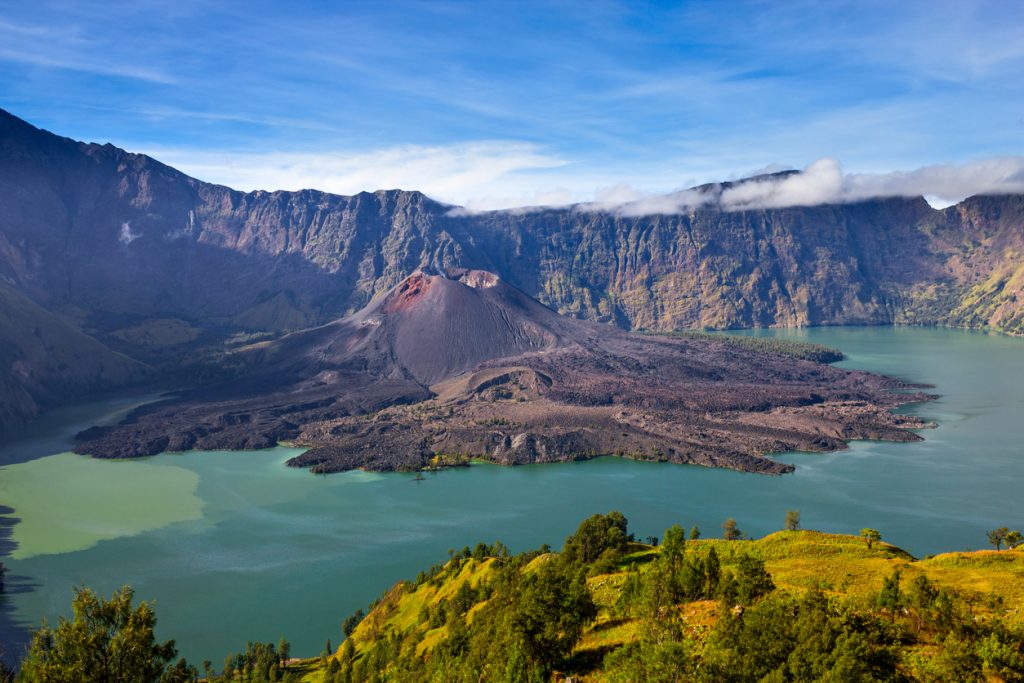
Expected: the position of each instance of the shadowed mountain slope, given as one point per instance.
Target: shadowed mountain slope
(45, 362)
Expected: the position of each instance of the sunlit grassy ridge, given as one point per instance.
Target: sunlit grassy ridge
(404, 625)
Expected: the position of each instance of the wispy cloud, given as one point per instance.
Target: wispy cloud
(824, 182)
(67, 48)
(370, 95)
(85, 65)
(476, 173)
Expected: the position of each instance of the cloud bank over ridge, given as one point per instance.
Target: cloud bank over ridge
(501, 175)
(824, 182)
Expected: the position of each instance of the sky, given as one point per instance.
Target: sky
(501, 104)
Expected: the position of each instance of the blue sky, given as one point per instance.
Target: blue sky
(507, 103)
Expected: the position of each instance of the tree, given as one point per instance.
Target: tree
(997, 536)
(891, 597)
(922, 597)
(105, 640)
(752, 579)
(871, 536)
(694, 532)
(284, 651)
(1012, 540)
(712, 573)
(792, 520)
(595, 535)
(464, 598)
(351, 622)
(730, 531)
(229, 667)
(550, 614)
(673, 546)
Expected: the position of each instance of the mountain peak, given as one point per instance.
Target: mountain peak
(477, 279)
(409, 292)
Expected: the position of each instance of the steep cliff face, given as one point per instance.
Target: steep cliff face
(843, 264)
(111, 239)
(124, 237)
(982, 241)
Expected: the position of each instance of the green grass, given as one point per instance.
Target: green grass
(400, 608)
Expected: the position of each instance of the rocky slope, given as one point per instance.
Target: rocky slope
(440, 370)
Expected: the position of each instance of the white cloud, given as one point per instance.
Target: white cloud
(486, 175)
(820, 183)
(126, 236)
(824, 182)
(949, 182)
(626, 200)
(509, 175)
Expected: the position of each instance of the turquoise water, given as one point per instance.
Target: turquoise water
(274, 551)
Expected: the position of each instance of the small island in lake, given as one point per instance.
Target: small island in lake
(449, 367)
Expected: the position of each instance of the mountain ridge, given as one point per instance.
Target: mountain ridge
(332, 253)
(122, 247)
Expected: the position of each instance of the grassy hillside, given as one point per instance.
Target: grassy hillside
(652, 617)
(793, 606)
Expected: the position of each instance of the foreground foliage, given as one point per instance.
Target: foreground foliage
(793, 606)
(105, 640)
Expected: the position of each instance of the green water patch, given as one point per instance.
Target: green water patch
(67, 502)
